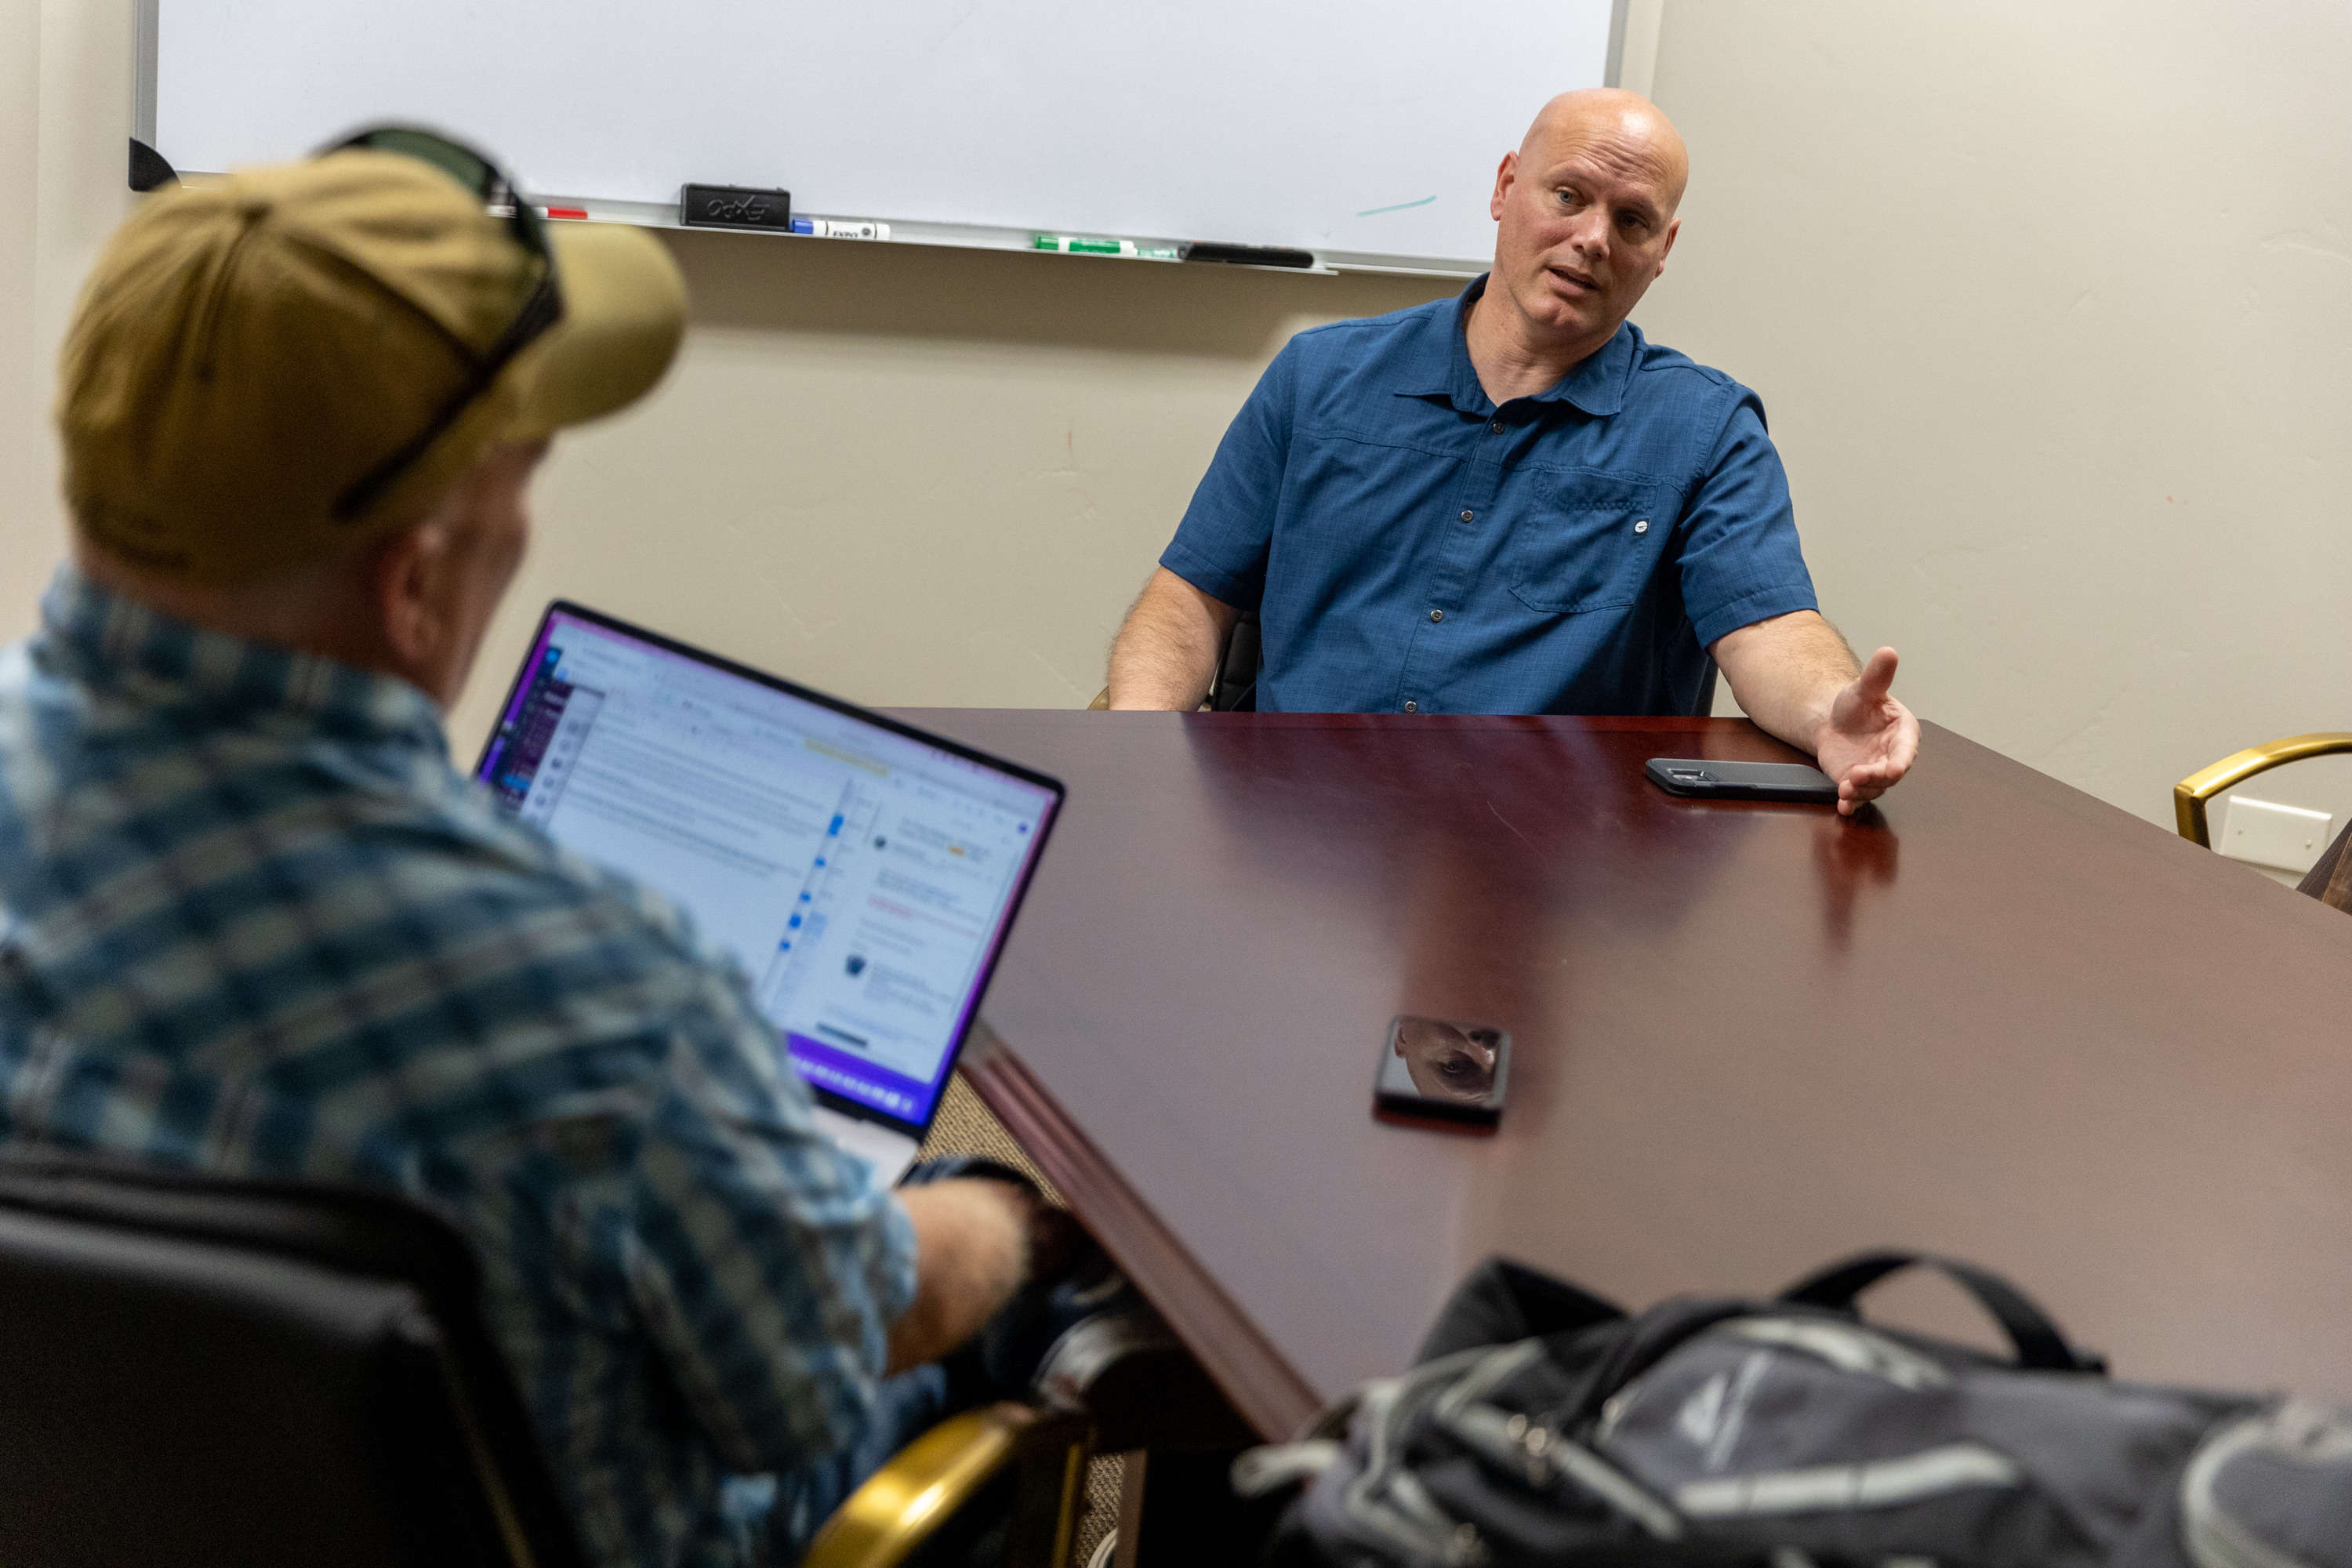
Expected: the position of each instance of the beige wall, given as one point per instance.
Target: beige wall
(913, 475)
(2051, 308)
(21, 439)
(63, 121)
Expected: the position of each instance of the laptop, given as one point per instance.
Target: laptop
(864, 872)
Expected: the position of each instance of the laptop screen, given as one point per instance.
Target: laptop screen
(863, 872)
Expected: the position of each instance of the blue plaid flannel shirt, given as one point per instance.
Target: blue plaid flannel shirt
(252, 921)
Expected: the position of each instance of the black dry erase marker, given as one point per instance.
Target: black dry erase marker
(1247, 255)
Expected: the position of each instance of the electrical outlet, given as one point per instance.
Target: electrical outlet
(2286, 837)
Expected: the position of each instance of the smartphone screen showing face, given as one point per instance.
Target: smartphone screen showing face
(1433, 1069)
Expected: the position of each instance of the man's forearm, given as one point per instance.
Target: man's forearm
(1166, 654)
(1797, 679)
(1786, 672)
(971, 1253)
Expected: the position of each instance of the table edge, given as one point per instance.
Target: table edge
(1262, 1387)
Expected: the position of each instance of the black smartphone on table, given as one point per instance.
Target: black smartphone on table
(1706, 777)
(1433, 1069)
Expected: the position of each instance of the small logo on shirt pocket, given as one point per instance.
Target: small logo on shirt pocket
(1587, 551)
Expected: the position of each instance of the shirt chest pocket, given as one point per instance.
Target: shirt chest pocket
(1587, 546)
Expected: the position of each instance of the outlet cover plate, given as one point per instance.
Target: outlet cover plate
(2286, 837)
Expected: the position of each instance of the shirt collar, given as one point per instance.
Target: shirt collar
(1443, 367)
(115, 643)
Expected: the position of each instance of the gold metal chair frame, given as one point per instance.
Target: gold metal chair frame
(884, 1521)
(2191, 794)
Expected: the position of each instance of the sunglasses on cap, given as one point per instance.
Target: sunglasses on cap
(539, 312)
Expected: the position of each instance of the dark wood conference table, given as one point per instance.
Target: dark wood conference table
(1994, 1019)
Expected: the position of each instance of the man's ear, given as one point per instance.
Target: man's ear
(1673, 229)
(1504, 176)
(405, 586)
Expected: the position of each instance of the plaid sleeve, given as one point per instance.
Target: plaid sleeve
(766, 1265)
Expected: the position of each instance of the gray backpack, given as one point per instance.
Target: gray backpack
(1543, 1426)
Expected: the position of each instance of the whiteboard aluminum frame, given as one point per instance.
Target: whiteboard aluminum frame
(148, 23)
(1630, 21)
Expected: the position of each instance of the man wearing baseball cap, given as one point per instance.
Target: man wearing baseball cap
(252, 922)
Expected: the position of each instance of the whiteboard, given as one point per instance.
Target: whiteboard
(1366, 131)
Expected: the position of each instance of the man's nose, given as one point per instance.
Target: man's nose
(1589, 232)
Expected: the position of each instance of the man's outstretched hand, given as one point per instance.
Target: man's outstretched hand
(1870, 739)
(1783, 667)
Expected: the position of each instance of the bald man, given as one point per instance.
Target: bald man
(1514, 502)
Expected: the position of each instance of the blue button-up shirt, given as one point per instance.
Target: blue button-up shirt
(1410, 546)
(250, 921)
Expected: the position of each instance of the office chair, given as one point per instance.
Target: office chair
(1003, 1484)
(1703, 706)
(1234, 691)
(199, 1371)
(2330, 878)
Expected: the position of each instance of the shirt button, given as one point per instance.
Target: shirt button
(1437, 615)
(1412, 707)
(1643, 526)
(1467, 516)
(1497, 427)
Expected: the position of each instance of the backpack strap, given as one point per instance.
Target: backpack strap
(2040, 1344)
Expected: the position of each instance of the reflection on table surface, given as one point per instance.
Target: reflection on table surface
(1994, 1018)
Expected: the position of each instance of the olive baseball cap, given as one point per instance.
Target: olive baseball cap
(247, 352)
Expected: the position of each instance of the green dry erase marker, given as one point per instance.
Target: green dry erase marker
(1082, 245)
(1079, 245)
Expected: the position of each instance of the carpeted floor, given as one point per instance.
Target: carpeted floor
(965, 1126)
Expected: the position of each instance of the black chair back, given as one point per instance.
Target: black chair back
(197, 1371)
(1704, 702)
(1235, 687)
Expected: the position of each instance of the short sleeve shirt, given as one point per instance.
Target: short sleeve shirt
(1410, 546)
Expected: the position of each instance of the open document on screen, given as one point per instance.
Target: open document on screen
(862, 877)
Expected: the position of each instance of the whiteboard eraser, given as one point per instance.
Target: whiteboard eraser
(736, 206)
